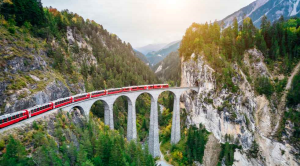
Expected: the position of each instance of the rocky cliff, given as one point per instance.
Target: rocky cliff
(27, 75)
(244, 115)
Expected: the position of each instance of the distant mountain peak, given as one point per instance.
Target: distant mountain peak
(155, 57)
(150, 48)
(273, 9)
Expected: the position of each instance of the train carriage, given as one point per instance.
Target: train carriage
(40, 109)
(134, 88)
(160, 86)
(62, 102)
(98, 93)
(142, 87)
(114, 91)
(150, 87)
(9, 119)
(80, 97)
(126, 89)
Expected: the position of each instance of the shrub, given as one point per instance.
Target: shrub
(35, 125)
(293, 96)
(253, 151)
(263, 86)
(2, 144)
(12, 30)
(280, 85)
(227, 153)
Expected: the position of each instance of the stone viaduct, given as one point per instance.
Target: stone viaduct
(108, 100)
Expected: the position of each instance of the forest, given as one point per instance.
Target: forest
(222, 46)
(87, 143)
(116, 64)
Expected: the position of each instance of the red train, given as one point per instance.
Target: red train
(9, 119)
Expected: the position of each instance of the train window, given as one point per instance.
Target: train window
(0, 121)
(14, 117)
(9, 118)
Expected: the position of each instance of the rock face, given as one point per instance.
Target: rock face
(27, 77)
(203, 108)
(53, 91)
(242, 115)
(212, 151)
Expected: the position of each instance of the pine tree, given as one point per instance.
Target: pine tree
(235, 27)
(82, 156)
(15, 153)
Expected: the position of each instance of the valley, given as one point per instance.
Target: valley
(226, 93)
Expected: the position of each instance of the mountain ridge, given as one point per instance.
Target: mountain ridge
(158, 56)
(273, 9)
(150, 47)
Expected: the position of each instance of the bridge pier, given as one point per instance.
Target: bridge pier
(131, 121)
(109, 115)
(175, 133)
(109, 100)
(153, 132)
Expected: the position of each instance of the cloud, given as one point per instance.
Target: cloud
(143, 22)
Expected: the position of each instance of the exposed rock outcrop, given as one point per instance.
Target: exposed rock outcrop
(54, 90)
(212, 151)
(243, 115)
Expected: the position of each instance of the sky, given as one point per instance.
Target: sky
(143, 22)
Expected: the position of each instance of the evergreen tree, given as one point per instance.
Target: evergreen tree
(235, 27)
(82, 156)
(15, 153)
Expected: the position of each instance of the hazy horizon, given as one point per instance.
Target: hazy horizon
(149, 22)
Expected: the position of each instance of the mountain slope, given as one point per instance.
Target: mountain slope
(141, 56)
(61, 55)
(273, 9)
(155, 57)
(242, 74)
(169, 69)
(151, 47)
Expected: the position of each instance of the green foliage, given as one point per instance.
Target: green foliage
(35, 125)
(171, 69)
(15, 153)
(263, 85)
(293, 96)
(24, 11)
(196, 141)
(278, 42)
(281, 41)
(97, 146)
(280, 85)
(12, 30)
(293, 116)
(253, 151)
(227, 153)
(2, 144)
(189, 149)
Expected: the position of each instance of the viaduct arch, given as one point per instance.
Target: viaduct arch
(108, 100)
